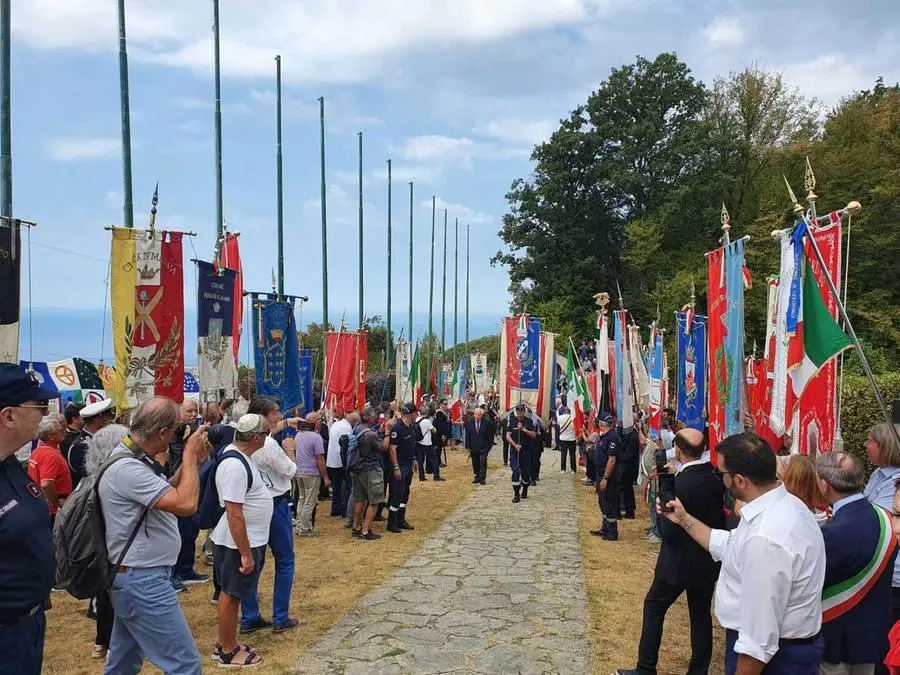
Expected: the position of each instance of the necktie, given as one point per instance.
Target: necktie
(477, 427)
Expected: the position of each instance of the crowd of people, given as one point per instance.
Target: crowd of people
(799, 552)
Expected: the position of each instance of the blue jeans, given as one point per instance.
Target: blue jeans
(281, 541)
(22, 646)
(149, 623)
(788, 660)
(653, 515)
(188, 530)
(338, 496)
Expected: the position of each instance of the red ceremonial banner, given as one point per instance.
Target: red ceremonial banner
(345, 371)
(231, 259)
(717, 306)
(817, 405)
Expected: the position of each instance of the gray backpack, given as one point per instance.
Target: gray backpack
(83, 567)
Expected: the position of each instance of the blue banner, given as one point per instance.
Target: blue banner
(655, 368)
(307, 405)
(277, 357)
(215, 301)
(734, 337)
(619, 342)
(691, 371)
(528, 353)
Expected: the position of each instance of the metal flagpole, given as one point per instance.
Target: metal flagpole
(278, 165)
(124, 104)
(361, 312)
(853, 208)
(444, 292)
(220, 216)
(467, 289)
(410, 319)
(322, 197)
(5, 115)
(390, 343)
(431, 293)
(456, 291)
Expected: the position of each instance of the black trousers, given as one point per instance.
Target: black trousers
(567, 449)
(536, 454)
(505, 447)
(590, 464)
(609, 499)
(399, 488)
(105, 617)
(475, 462)
(659, 598)
(627, 476)
(482, 460)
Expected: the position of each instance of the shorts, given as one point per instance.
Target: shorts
(368, 486)
(227, 565)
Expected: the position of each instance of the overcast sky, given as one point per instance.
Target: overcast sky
(455, 91)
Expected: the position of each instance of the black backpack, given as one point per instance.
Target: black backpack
(209, 511)
(418, 436)
(83, 567)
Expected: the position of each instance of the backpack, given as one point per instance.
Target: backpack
(83, 567)
(418, 435)
(209, 511)
(356, 460)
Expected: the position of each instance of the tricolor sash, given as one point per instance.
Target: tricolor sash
(840, 598)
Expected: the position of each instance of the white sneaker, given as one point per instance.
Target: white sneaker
(563, 471)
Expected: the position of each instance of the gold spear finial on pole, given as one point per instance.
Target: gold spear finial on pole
(621, 301)
(693, 292)
(809, 182)
(797, 208)
(725, 219)
(601, 300)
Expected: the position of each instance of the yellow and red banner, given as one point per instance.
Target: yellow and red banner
(147, 300)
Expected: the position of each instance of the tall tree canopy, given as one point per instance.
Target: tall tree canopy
(629, 189)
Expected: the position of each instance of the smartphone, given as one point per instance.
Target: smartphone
(666, 482)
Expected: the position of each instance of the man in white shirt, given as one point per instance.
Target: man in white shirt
(277, 466)
(335, 465)
(769, 595)
(426, 457)
(240, 537)
(565, 424)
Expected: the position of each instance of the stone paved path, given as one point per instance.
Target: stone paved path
(497, 589)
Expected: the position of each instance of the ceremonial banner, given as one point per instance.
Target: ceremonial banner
(782, 395)
(520, 362)
(602, 391)
(191, 384)
(765, 375)
(432, 376)
(10, 264)
(64, 375)
(108, 378)
(620, 330)
(402, 369)
(147, 300)
(577, 398)
(480, 381)
(734, 338)
(626, 415)
(215, 340)
(231, 259)
(641, 378)
(656, 384)
(306, 381)
(415, 379)
(458, 390)
(717, 303)
(446, 379)
(818, 416)
(276, 355)
(345, 371)
(691, 370)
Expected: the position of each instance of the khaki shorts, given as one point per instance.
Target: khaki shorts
(368, 486)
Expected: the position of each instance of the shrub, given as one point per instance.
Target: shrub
(859, 409)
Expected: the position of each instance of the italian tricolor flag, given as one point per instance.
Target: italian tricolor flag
(818, 336)
(415, 379)
(577, 398)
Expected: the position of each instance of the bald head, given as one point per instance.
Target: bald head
(690, 443)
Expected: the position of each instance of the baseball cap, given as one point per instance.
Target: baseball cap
(18, 385)
(520, 406)
(409, 409)
(605, 417)
(252, 423)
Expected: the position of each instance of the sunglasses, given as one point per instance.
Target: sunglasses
(43, 406)
(719, 473)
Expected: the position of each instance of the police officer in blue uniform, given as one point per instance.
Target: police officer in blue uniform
(26, 545)
(520, 434)
(402, 453)
(606, 458)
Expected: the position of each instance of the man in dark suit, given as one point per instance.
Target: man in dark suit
(479, 439)
(856, 609)
(442, 427)
(683, 565)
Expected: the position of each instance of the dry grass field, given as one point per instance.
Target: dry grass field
(618, 575)
(331, 573)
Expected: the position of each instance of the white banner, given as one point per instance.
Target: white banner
(480, 376)
(402, 369)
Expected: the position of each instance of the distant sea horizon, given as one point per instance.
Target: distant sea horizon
(61, 333)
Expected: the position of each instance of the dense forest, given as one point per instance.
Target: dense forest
(630, 187)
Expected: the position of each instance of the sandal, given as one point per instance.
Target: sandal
(227, 659)
(217, 652)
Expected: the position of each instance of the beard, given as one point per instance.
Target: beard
(735, 492)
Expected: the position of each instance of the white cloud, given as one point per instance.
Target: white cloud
(518, 131)
(831, 77)
(444, 150)
(466, 215)
(320, 41)
(724, 31)
(75, 149)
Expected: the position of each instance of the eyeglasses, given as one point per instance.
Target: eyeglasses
(43, 406)
(719, 473)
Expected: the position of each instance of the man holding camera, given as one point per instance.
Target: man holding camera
(683, 565)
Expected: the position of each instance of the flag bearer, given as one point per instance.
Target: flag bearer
(520, 434)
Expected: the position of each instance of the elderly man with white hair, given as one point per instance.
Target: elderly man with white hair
(46, 465)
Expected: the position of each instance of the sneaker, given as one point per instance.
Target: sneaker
(290, 624)
(259, 624)
(654, 539)
(370, 536)
(598, 533)
(440, 479)
(99, 652)
(356, 534)
(348, 523)
(562, 471)
(588, 483)
(516, 499)
(192, 578)
(178, 586)
(215, 598)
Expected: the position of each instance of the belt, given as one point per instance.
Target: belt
(796, 642)
(31, 612)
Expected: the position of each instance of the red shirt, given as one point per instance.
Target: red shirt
(47, 463)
